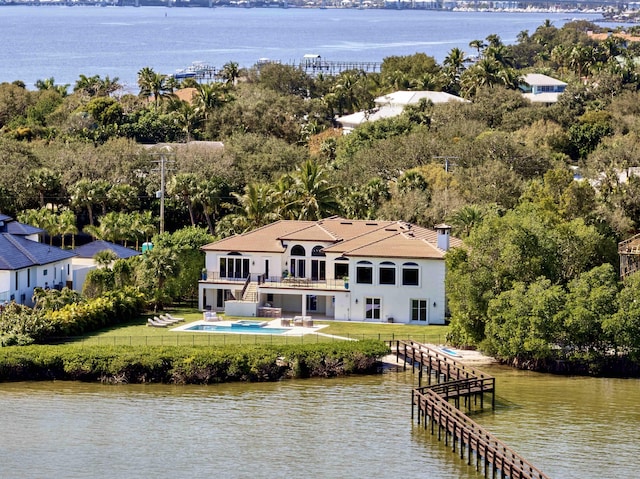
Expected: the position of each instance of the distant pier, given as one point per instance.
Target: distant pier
(464, 386)
(203, 72)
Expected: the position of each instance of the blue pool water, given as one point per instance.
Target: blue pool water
(245, 328)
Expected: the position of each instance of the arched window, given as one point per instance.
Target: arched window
(410, 274)
(341, 267)
(298, 266)
(387, 273)
(364, 272)
(318, 264)
(298, 250)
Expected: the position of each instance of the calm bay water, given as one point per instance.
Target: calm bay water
(359, 427)
(65, 42)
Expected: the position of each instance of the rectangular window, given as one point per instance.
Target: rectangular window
(364, 275)
(419, 310)
(410, 276)
(29, 278)
(17, 282)
(372, 308)
(234, 268)
(340, 270)
(45, 272)
(387, 275)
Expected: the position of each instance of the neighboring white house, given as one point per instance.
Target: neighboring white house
(361, 270)
(26, 264)
(83, 262)
(403, 98)
(391, 105)
(540, 88)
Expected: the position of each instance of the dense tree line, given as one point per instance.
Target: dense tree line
(499, 169)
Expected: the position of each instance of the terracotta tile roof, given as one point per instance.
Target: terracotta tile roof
(623, 35)
(391, 239)
(265, 239)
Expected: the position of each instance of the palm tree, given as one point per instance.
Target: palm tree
(42, 218)
(157, 266)
(101, 190)
(314, 197)
(142, 226)
(122, 197)
(83, 196)
(454, 64)
(230, 73)
(350, 93)
(50, 84)
(483, 73)
(455, 60)
(109, 86)
(87, 85)
(113, 227)
(67, 225)
(465, 219)
(186, 116)
(184, 187)
(258, 206)
(209, 195)
(211, 96)
(95, 86)
(104, 258)
(479, 45)
(46, 183)
(501, 54)
(153, 84)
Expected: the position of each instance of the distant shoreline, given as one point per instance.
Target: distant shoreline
(243, 4)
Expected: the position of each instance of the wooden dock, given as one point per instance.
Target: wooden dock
(453, 381)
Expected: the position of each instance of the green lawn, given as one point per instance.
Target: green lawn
(138, 333)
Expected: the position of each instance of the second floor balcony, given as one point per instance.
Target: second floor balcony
(278, 282)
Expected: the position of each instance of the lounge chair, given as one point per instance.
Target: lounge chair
(174, 318)
(165, 318)
(155, 324)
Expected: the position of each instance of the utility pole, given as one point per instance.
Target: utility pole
(162, 162)
(449, 161)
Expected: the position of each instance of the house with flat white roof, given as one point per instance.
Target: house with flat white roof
(392, 105)
(26, 264)
(539, 88)
(336, 268)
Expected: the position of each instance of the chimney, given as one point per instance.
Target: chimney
(444, 232)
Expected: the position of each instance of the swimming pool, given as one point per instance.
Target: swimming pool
(247, 327)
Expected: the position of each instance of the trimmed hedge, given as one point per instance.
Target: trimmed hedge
(189, 364)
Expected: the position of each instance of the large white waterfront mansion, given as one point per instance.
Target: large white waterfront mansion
(336, 268)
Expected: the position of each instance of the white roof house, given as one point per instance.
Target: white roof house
(336, 268)
(391, 105)
(26, 264)
(404, 98)
(539, 88)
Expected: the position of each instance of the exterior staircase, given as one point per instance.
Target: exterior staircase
(251, 293)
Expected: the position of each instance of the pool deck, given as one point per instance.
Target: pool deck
(292, 330)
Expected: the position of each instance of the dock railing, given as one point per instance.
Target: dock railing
(457, 382)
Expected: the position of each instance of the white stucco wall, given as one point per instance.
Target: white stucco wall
(395, 300)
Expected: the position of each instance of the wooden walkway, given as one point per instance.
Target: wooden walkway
(432, 407)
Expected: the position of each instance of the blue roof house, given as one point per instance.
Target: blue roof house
(26, 264)
(83, 262)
